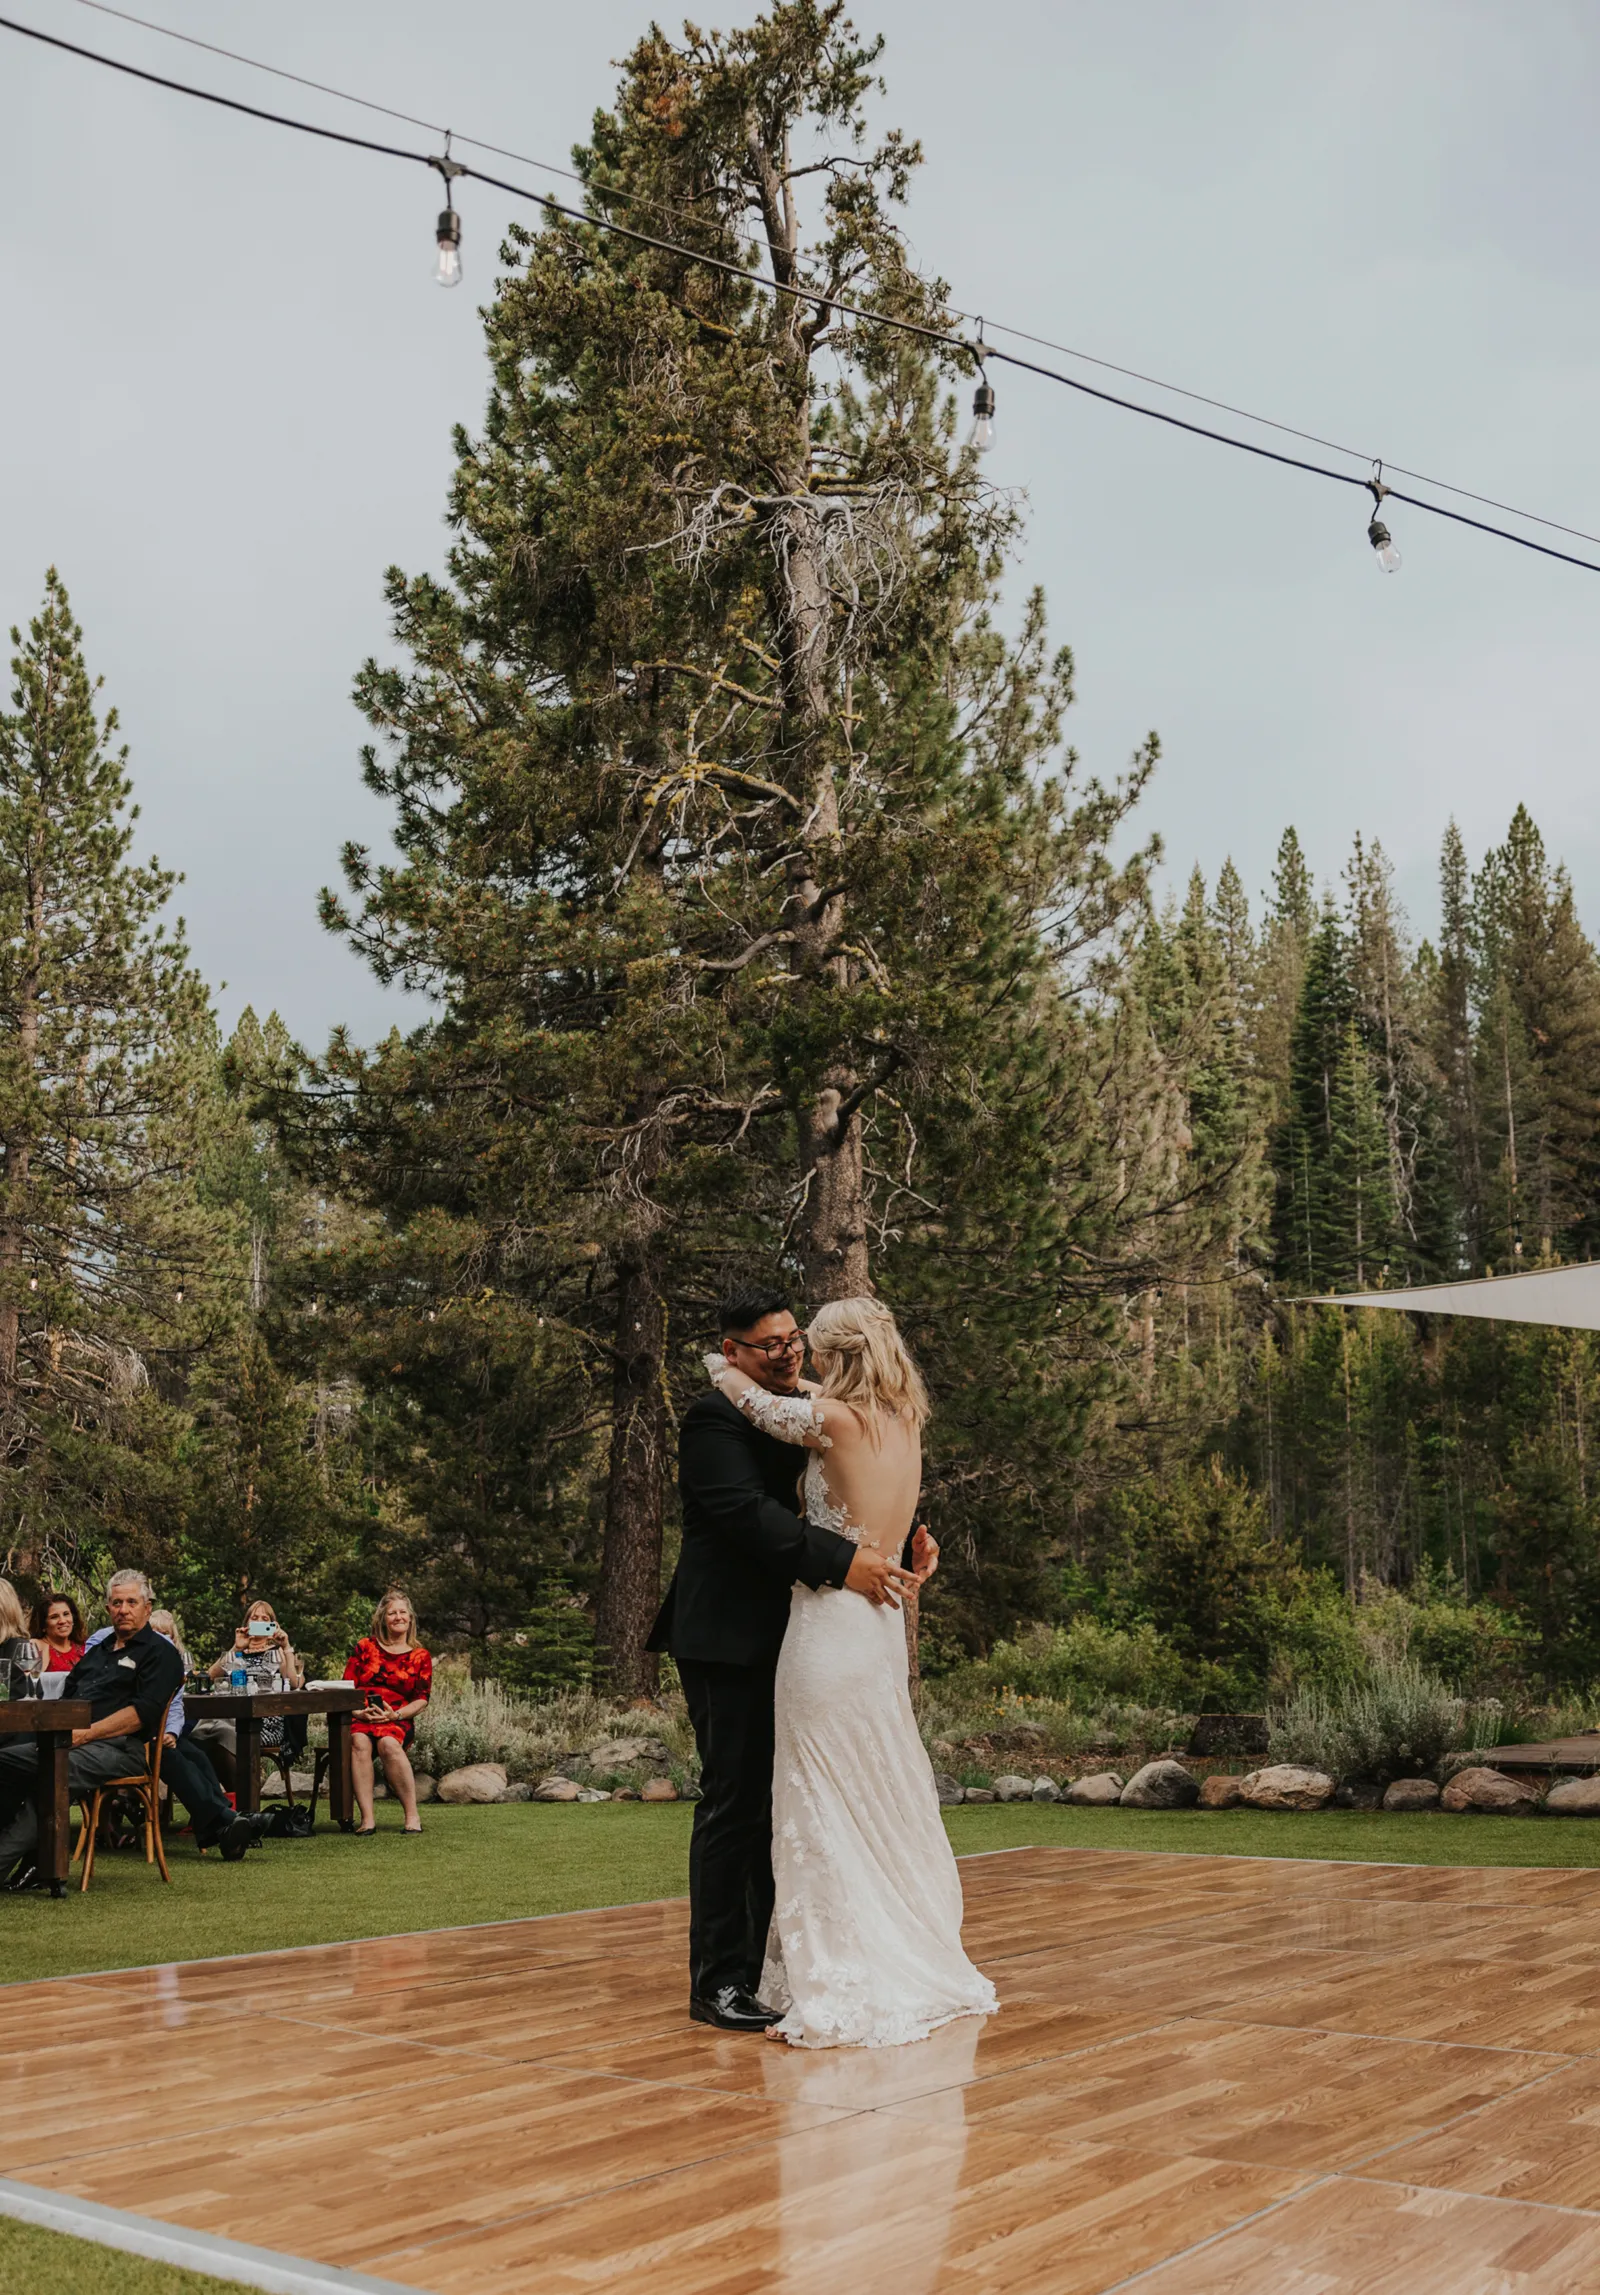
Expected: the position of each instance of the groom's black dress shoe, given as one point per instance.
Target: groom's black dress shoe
(733, 2010)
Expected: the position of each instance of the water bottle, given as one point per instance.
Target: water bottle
(238, 1678)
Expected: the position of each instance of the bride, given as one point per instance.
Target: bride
(865, 1946)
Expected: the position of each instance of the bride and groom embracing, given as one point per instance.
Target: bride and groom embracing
(825, 1906)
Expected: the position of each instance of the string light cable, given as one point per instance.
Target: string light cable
(980, 353)
(665, 207)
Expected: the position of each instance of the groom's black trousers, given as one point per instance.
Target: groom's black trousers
(730, 1849)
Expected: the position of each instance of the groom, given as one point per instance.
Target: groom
(723, 1621)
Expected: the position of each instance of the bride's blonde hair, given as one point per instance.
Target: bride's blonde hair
(862, 1360)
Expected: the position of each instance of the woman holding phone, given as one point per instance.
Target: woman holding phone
(391, 1665)
(262, 1652)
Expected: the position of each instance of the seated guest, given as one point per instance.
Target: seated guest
(18, 1651)
(185, 1769)
(391, 1665)
(127, 1681)
(263, 1651)
(58, 1629)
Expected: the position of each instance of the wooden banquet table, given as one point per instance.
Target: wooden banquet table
(248, 1712)
(50, 1721)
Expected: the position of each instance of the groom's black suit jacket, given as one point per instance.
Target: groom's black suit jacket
(743, 1543)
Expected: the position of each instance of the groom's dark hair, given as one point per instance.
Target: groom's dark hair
(742, 1309)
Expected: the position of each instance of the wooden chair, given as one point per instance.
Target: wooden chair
(147, 1785)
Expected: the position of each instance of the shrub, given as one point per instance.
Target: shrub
(1396, 1721)
(1080, 1664)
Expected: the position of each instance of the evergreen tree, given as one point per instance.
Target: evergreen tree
(763, 915)
(107, 1260)
(1282, 949)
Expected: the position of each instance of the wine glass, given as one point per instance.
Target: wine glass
(28, 1659)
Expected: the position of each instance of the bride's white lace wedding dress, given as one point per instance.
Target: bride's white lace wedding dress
(865, 1945)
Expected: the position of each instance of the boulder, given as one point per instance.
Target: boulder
(517, 1793)
(556, 1789)
(1221, 1792)
(272, 1786)
(1358, 1793)
(593, 1793)
(1412, 1793)
(1161, 1785)
(1575, 1797)
(658, 1789)
(1491, 1793)
(625, 1752)
(625, 1793)
(479, 1781)
(1045, 1789)
(1013, 1788)
(942, 1750)
(948, 1790)
(690, 1793)
(1284, 1785)
(1448, 1763)
(977, 1793)
(427, 1787)
(1097, 1792)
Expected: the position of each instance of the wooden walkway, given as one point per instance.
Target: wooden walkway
(1571, 1756)
(1239, 2077)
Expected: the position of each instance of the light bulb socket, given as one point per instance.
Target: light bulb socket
(1379, 535)
(983, 402)
(448, 233)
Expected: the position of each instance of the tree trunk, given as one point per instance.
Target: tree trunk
(832, 1223)
(630, 1570)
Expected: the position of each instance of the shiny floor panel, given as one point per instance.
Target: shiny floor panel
(1211, 2075)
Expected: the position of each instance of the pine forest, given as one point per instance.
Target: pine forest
(769, 926)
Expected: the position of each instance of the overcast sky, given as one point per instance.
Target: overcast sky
(228, 386)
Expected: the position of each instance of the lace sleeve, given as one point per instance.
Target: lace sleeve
(792, 1418)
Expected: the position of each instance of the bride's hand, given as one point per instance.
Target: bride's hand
(924, 1553)
(717, 1367)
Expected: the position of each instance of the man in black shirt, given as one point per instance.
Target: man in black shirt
(128, 1681)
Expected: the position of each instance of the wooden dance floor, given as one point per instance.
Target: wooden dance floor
(1209, 2076)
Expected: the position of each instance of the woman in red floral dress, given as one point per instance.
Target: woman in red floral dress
(396, 1672)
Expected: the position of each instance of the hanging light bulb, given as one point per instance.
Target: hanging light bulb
(447, 270)
(1378, 533)
(33, 1282)
(983, 417)
(447, 267)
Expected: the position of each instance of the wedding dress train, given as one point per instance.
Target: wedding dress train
(865, 1945)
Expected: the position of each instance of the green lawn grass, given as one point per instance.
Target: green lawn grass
(44, 2263)
(506, 1863)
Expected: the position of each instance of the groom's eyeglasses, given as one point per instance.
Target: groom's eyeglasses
(775, 1349)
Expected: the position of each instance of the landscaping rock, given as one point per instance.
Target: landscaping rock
(1359, 1793)
(556, 1789)
(1575, 1797)
(624, 1752)
(1286, 1786)
(1490, 1793)
(977, 1793)
(1221, 1792)
(517, 1793)
(948, 1790)
(427, 1787)
(272, 1787)
(593, 1793)
(479, 1781)
(1448, 1764)
(942, 1750)
(1162, 1785)
(658, 1789)
(625, 1793)
(1013, 1789)
(1045, 1789)
(1098, 1792)
(1412, 1793)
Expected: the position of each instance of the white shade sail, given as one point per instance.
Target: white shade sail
(1566, 1297)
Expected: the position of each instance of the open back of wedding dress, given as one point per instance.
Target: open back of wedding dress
(865, 1946)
